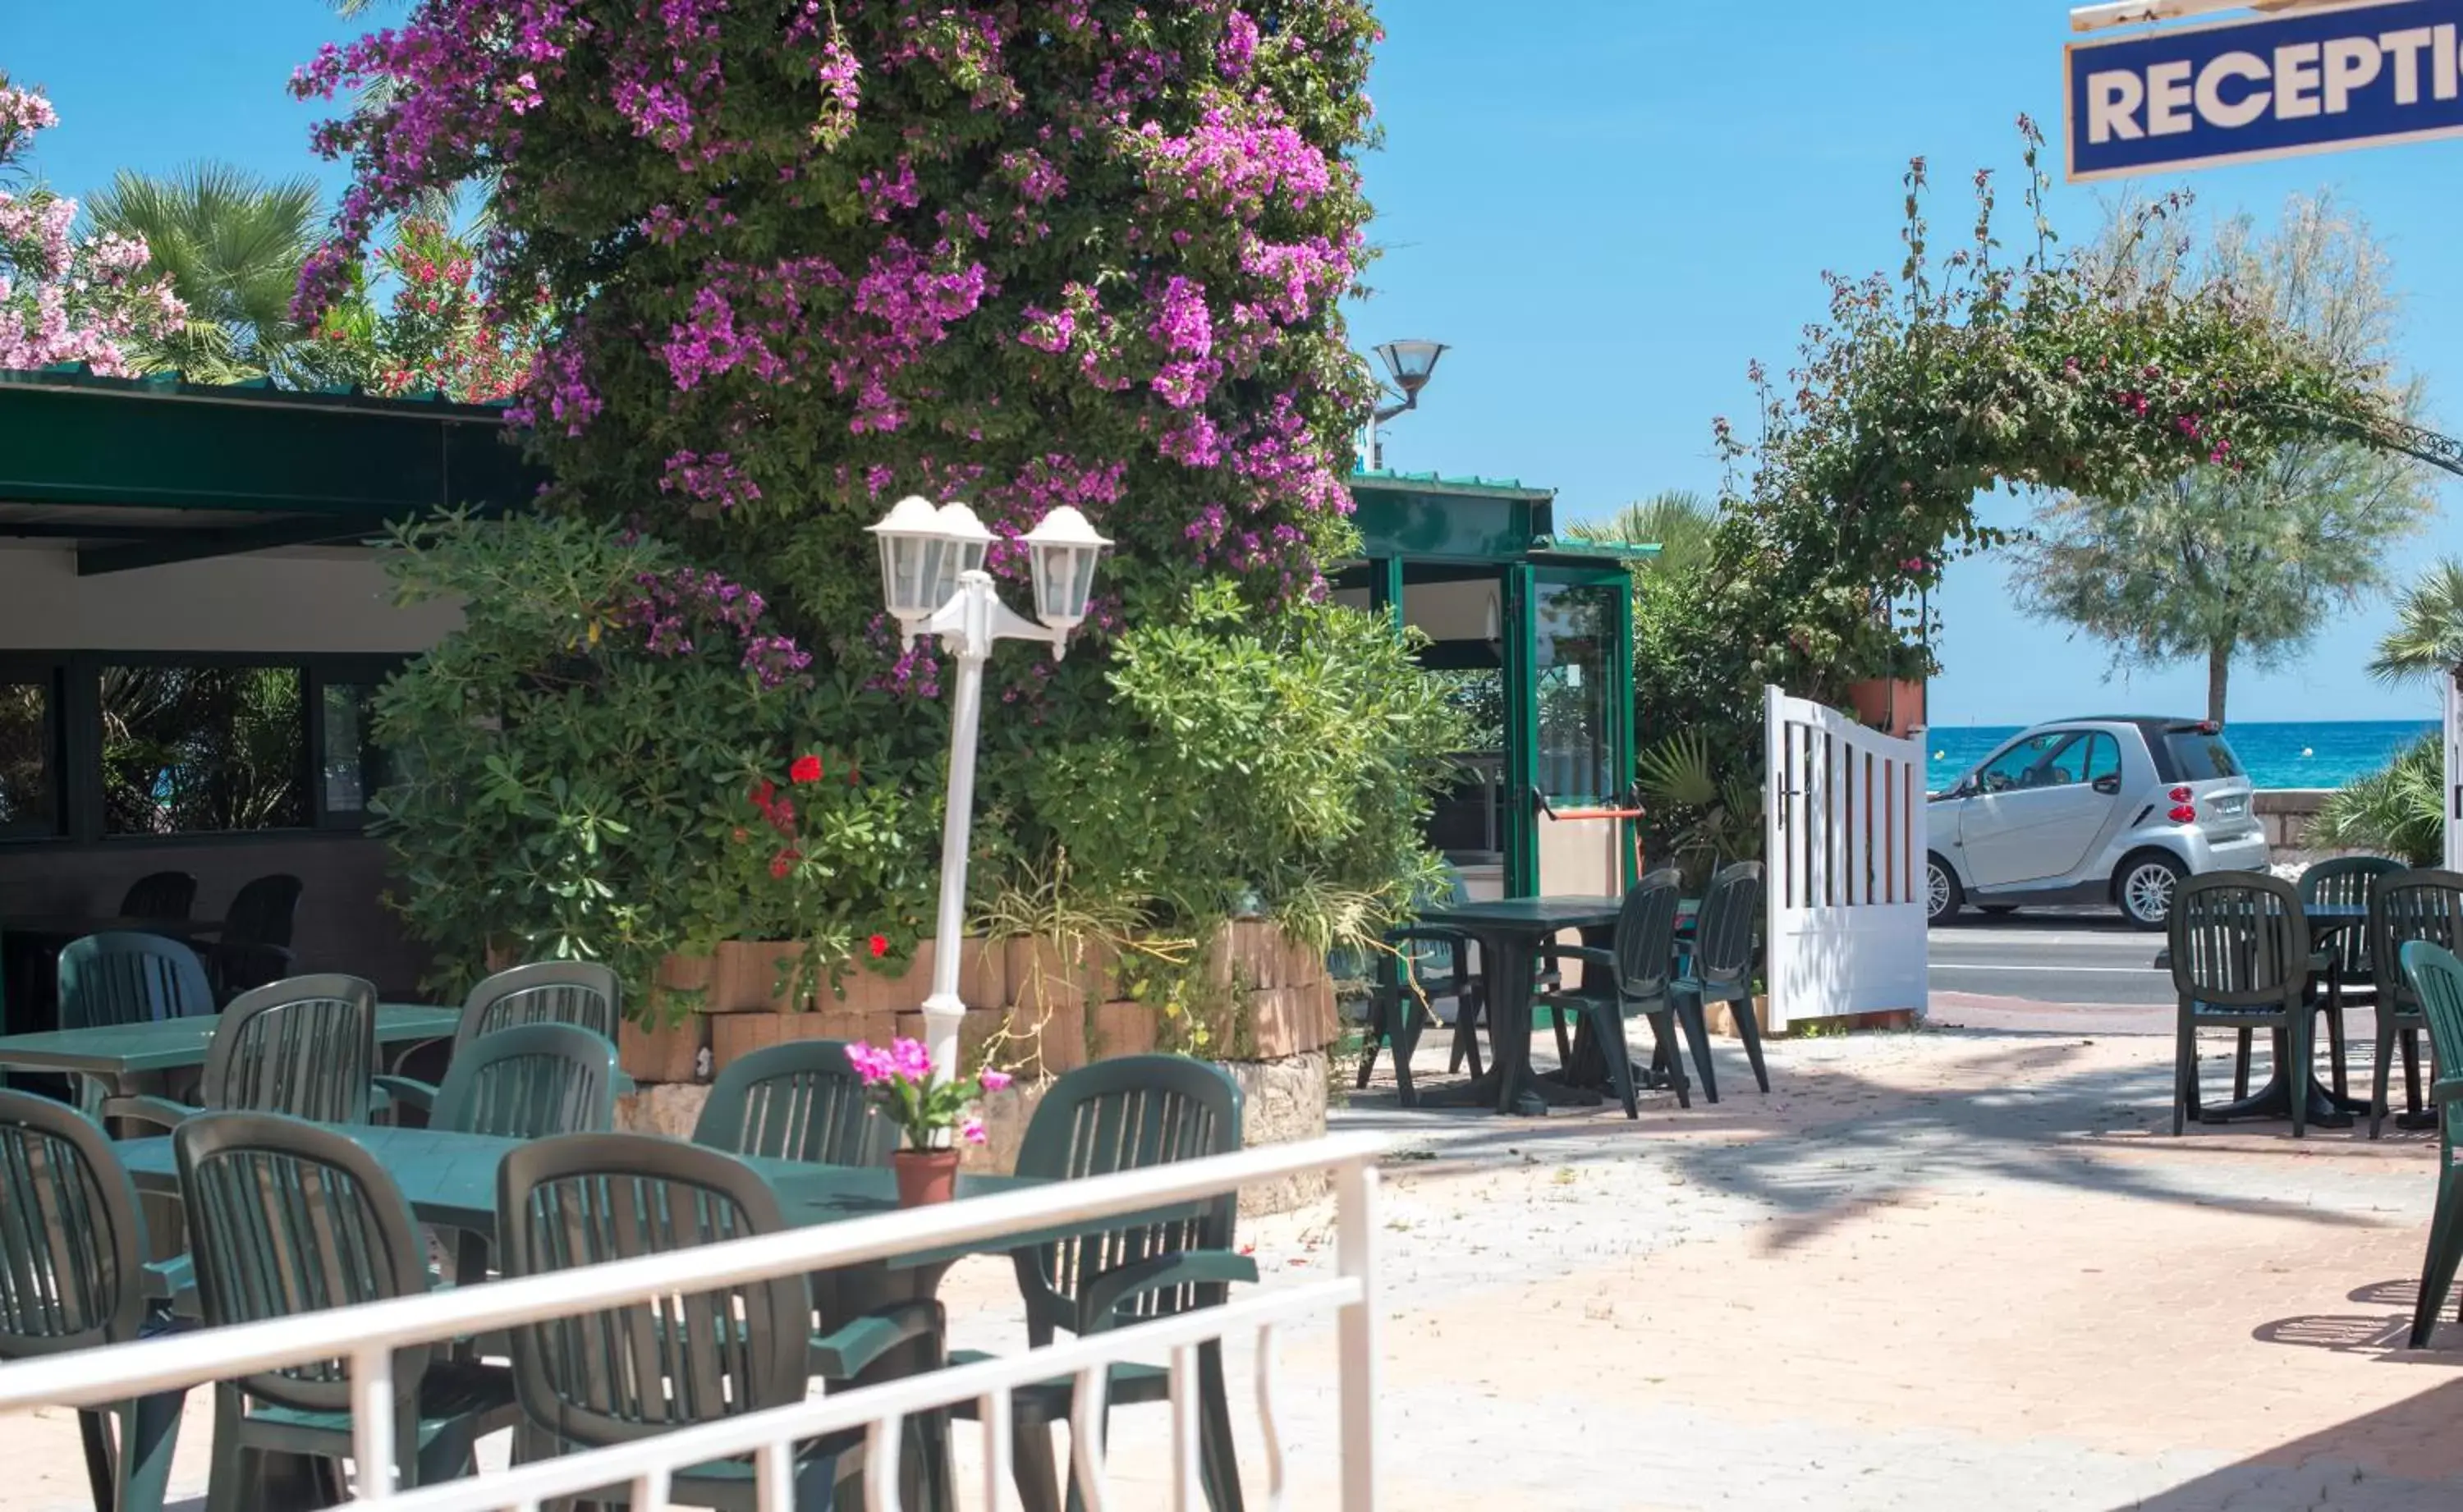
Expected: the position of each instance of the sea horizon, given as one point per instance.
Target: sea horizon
(2277, 754)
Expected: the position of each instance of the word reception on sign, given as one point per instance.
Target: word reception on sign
(2265, 87)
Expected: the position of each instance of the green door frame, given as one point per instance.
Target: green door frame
(1520, 601)
(1518, 585)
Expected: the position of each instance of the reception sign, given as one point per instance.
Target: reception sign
(2269, 87)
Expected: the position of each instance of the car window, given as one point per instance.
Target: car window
(2097, 757)
(2027, 764)
(2201, 754)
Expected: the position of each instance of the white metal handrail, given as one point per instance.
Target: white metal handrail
(367, 1336)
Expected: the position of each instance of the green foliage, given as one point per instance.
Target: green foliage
(2427, 640)
(2049, 371)
(232, 244)
(866, 253)
(562, 790)
(1706, 810)
(1290, 767)
(2242, 562)
(1681, 524)
(2397, 811)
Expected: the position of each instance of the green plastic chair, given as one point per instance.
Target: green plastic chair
(633, 1372)
(284, 1219)
(523, 1083)
(2343, 957)
(2436, 982)
(2240, 960)
(577, 992)
(73, 1276)
(1719, 968)
(306, 1048)
(1629, 979)
(1422, 965)
(1129, 1114)
(2416, 905)
(121, 977)
(581, 993)
(801, 1100)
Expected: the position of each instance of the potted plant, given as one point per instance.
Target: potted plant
(932, 1114)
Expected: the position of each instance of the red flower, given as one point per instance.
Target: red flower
(807, 770)
(783, 861)
(880, 946)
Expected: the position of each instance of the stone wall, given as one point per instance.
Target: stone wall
(2286, 814)
(1037, 1008)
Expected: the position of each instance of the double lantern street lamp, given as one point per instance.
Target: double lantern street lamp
(933, 581)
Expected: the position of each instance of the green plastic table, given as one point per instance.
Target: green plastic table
(449, 1180)
(118, 1054)
(1509, 932)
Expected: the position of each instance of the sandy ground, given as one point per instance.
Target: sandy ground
(1925, 1269)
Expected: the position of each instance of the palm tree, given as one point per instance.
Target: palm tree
(2398, 810)
(232, 244)
(2427, 640)
(1678, 522)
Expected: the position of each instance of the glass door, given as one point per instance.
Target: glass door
(1570, 683)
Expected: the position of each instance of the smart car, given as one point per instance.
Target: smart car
(2110, 809)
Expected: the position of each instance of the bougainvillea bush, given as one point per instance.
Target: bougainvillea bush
(65, 298)
(802, 259)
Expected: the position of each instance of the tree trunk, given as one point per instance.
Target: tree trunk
(2219, 677)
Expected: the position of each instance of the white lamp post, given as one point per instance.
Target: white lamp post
(933, 581)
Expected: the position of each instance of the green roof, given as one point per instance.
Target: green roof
(1436, 483)
(139, 471)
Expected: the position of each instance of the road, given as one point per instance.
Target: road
(2069, 957)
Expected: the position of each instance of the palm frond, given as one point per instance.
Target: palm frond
(2397, 811)
(2427, 640)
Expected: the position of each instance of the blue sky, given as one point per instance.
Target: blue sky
(1607, 207)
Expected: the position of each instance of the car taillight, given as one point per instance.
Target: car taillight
(2183, 813)
(2181, 795)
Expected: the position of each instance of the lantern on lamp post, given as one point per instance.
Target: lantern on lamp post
(933, 582)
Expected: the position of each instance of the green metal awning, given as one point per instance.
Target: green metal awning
(1441, 524)
(136, 472)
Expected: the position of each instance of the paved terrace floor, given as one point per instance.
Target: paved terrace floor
(1928, 1269)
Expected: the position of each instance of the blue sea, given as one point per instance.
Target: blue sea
(2325, 754)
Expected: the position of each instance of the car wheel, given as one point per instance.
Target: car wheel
(1944, 897)
(2144, 888)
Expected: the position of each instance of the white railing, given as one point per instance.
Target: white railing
(368, 1335)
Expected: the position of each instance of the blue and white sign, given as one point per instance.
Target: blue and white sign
(2269, 87)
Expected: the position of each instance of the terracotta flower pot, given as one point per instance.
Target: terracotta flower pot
(926, 1176)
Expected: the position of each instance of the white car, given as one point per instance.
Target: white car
(2092, 810)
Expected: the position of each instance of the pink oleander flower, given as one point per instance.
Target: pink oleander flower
(912, 1060)
(992, 1081)
(972, 1132)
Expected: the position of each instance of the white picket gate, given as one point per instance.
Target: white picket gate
(1845, 869)
(2454, 771)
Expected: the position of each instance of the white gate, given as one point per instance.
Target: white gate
(1843, 838)
(2454, 771)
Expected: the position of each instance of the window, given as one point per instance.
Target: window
(1573, 677)
(353, 765)
(2200, 754)
(2023, 766)
(202, 750)
(2097, 758)
(29, 743)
